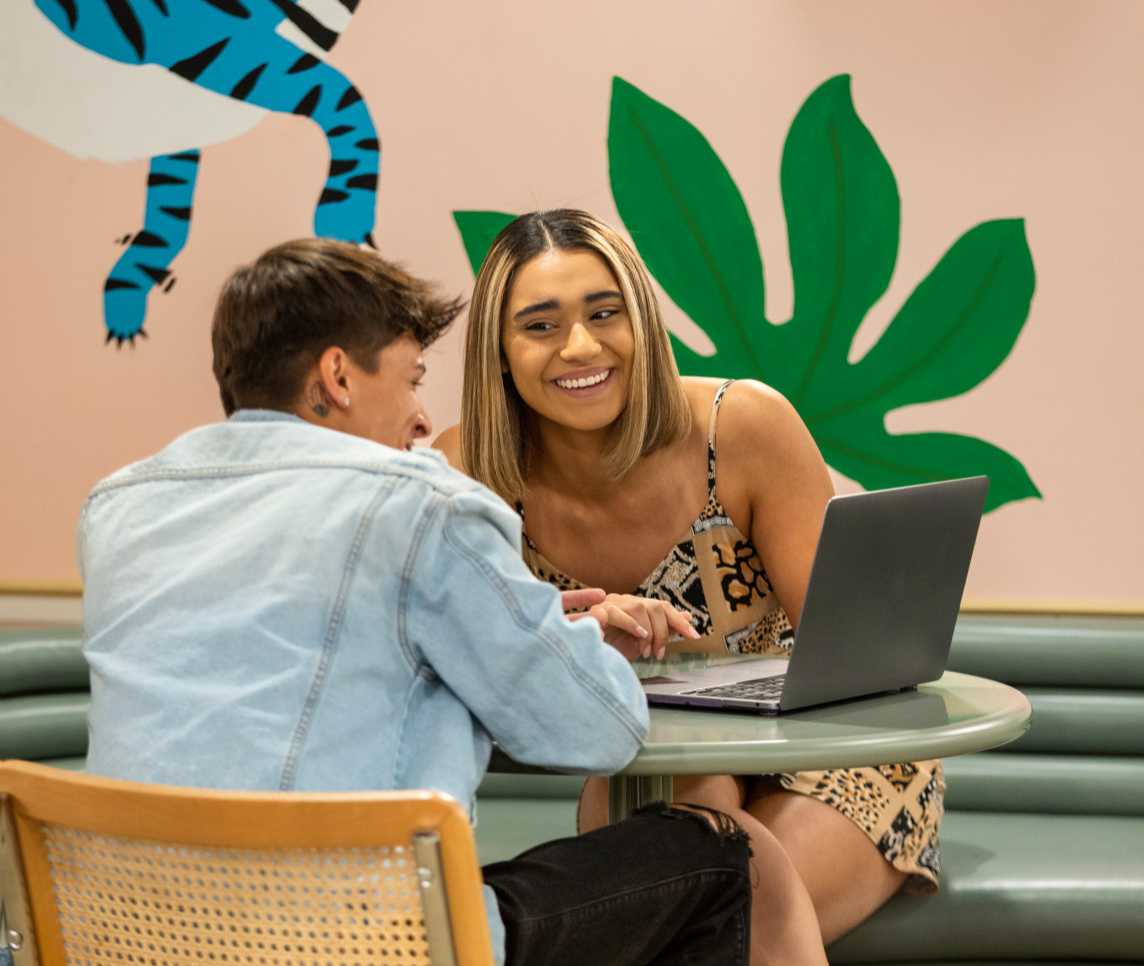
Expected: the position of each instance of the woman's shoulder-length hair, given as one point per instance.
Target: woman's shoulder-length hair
(495, 423)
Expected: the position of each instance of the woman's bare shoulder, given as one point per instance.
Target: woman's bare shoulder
(700, 392)
(749, 408)
(764, 444)
(448, 441)
(750, 405)
(758, 427)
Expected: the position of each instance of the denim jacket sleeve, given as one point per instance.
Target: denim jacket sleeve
(548, 690)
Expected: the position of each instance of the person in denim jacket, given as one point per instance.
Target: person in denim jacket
(297, 599)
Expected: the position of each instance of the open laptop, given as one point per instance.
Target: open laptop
(880, 608)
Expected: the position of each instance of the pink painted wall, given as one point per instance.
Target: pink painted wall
(984, 110)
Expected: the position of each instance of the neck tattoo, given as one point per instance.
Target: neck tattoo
(317, 401)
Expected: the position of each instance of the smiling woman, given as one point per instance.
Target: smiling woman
(567, 341)
(574, 411)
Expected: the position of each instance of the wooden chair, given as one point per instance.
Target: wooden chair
(98, 871)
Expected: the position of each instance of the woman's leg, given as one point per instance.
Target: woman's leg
(845, 875)
(784, 928)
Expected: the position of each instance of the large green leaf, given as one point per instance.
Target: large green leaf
(691, 226)
(954, 330)
(689, 222)
(842, 212)
(478, 229)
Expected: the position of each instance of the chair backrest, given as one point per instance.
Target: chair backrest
(100, 871)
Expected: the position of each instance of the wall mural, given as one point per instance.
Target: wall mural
(261, 55)
(688, 220)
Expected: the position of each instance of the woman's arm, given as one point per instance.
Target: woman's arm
(770, 468)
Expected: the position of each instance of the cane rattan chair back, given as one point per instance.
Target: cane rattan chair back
(94, 871)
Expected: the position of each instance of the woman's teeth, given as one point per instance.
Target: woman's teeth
(585, 382)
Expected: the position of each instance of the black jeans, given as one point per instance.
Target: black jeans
(661, 887)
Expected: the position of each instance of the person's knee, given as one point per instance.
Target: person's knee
(710, 847)
(713, 837)
(724, 826)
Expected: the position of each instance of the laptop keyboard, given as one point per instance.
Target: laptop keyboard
(754, 689)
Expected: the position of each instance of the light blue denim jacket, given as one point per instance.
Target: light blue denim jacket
(273, 605)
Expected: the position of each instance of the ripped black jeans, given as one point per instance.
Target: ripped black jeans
(666, 886)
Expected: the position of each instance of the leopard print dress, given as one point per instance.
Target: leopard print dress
(716, 575)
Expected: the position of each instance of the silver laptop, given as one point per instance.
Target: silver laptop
(880, 608)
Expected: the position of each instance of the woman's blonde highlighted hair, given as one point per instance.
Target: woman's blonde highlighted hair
(495, 424)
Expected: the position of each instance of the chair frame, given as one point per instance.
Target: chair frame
(434, 824)
(17, 933)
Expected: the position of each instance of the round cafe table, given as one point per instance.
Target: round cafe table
(954, 715)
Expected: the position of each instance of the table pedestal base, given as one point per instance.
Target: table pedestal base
(626, 793)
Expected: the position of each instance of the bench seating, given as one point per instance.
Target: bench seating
(1043, 840)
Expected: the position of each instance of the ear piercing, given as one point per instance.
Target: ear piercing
(346, 402)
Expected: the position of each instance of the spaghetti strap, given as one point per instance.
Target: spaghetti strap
(711, 438)
(519, 507)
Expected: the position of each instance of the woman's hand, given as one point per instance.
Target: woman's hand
(635, 626)
(581, 600)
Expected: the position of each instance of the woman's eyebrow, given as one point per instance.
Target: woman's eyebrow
(549, 304)
(601, 296)
(546, 306)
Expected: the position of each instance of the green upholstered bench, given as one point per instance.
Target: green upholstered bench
(43, 693)
(1043, 841)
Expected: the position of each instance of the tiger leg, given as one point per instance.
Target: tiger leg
(147, 259)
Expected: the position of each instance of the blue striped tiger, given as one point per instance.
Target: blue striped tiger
(250, 51)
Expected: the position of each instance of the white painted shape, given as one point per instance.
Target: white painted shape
(683, 327)
(94, 107)
(288, 32)
(329, 12)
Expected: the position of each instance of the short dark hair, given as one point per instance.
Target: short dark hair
(276, 316)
